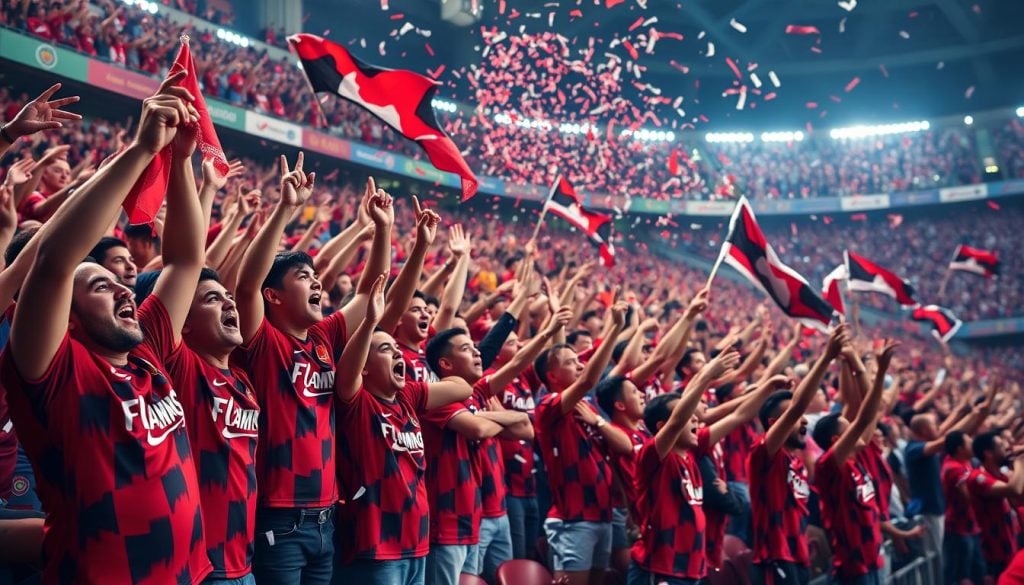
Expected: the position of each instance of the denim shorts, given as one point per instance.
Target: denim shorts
(579, 546)
(620, 536)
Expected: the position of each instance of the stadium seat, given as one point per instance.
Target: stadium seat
(467, 579)
(523, 572)
(733, 546)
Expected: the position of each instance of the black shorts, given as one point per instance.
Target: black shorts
(780, 573)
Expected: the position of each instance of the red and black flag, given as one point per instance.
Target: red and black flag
(565, 203)
(400, 98)
(981, 262)
(747, 250)
(943, 322)
(830, 288)
(866, 276)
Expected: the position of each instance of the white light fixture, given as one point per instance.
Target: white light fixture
(729, 137)
(232, 37)
(879, 130)
(443, 105)
(1020, 112)
(796, 136)
(968, 119)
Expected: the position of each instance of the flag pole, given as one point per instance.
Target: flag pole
(721, 251)
(544, 209)
(316, 98)
(945, 277)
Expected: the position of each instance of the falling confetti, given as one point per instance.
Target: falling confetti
(739, 26)
(774, 79)
(904, 34)
(969, 92)
(796, 29)
(852, 84)
(848, 5)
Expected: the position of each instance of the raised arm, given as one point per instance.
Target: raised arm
(776, 434)
(846, 445)
(382, 212)
(630, 360)
(595, 367)
(38, 115)
(448, 390)
(184, 245)
(524, 357)
(460, 245)
(41, 317)
(357, 348)
(749, 405)
(667, 436)
(296, 187)
(405, 285)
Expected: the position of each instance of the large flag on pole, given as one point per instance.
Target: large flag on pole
(830, 288)
(866, 276)
(400, 98)
(747, 250)
(943, 322)
(974, 260)
(147, 195)
(565, 203)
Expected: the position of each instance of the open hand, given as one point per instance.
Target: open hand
(41, 114)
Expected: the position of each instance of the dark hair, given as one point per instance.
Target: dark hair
(99, 251)
(283, 263)
(658, 411)
(141, 232)
(17, 244)
(575, 335)
(955, 440)
(439, 346)
(686, 361)
(825, 430)
(618, 350)
(770, 407)
(146, 282)
(608, 392)
(588, 316)
(429, 300)
(984, 443)
(722, 392)
(540, 365)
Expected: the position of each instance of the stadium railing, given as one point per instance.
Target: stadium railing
(61, 61)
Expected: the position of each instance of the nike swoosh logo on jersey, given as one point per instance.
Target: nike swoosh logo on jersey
(386, 414)
(308, 394)
(233, 435)
(219, 382)
(154, 441)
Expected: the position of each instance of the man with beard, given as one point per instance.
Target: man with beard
(87, 390)
(289, 350)
(779, 488)
(990, 491)
(383, 533)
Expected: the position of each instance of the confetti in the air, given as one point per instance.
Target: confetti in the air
(853, 83)
(797, 29)
(848, 5)
(739, 26)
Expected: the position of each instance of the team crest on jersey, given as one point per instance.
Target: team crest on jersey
(694, 494)
(798, 484)
(322, 353)
(865, 488)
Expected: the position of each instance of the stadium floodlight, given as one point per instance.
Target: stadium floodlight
(729, 137)
(444, 105)
(879, 130)
(968, 119)
(232, 37)
(782, 136)
(150, 7)
(1020, 112)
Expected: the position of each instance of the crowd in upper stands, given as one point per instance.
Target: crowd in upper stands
(690, 169)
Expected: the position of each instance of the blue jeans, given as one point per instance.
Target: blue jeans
(579, 546)
(495, 546)
(396, 572)
(294, 546)
(870, 578)
(962, 558)
(742, 526)
(638, 576)
(447, 561)
(524, 526)
(246, 580)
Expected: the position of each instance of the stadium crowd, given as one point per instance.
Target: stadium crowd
(290, 380)
(819, 166)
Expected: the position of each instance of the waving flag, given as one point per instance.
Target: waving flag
(974, 260)
(147, 195)
(830, 288)
(400, 98)
(565, 203)
(865, 276)
(746, 250)
(943, 322)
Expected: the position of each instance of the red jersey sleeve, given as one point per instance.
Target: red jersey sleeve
(417, 393)
(60, 375)
(703, 443)
(442, 415)
(156, 324)
(334, 328)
